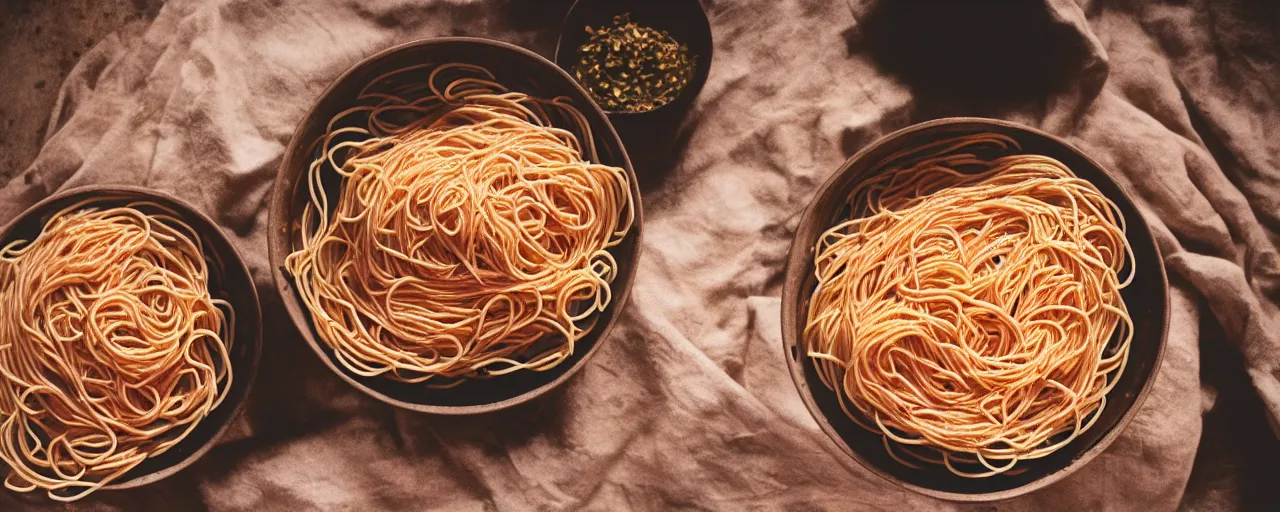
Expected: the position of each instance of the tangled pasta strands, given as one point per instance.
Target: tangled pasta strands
(970, 309)
(112, 350)
(469, 237)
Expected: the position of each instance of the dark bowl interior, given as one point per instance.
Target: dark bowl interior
(1146, 297)
(684, 20)
(232, 283)
(519, 70)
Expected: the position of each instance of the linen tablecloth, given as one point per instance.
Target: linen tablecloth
(689, 405)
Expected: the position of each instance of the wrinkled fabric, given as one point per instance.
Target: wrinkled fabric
(688, 404)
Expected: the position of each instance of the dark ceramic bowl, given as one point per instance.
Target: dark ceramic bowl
(684, 20)
(1147, 299)
(519, 70)
(232, 282)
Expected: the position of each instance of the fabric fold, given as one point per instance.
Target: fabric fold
(689, 403)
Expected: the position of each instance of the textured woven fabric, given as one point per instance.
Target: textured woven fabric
(688, 404)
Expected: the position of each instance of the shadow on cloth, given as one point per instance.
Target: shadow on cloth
(655, 146)
(977, 57)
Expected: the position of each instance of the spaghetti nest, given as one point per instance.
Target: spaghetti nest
(111, 348)
(970, 310)
(469, 236)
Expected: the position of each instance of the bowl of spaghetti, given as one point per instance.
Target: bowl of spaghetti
(129, 340)
(973, 309)
(455, 226)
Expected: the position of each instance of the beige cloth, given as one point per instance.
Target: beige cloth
(688, 405)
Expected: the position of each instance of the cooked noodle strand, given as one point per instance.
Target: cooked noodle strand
(111, 348)
(970, 309)
(469, 236)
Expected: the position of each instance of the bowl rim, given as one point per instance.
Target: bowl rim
(279, 208)
(701, 73)
(798, 262)
(233, 258)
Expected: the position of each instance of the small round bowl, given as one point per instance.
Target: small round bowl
(232, 283)
(684, 20)
(1146, 297)
(521, 71)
